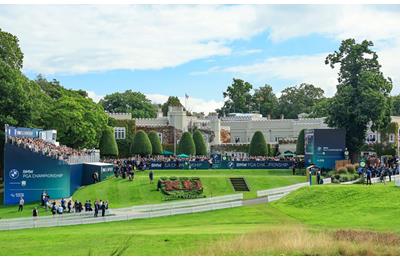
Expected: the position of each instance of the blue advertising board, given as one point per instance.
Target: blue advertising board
(28, 174)
(262, 164)
(222, 165)
(323, 147)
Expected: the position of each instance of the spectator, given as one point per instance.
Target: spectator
(35, 212)
(21, 204)
(96, 208)
(369, 177)
(151, 176)
(103, 209)
(69, 205)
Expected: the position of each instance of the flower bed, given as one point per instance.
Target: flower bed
(180, 188)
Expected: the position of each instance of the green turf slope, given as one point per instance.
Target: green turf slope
(121, 192)
(346, 206)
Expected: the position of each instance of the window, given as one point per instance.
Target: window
(371, 138)
(391, 138)
(119, 132)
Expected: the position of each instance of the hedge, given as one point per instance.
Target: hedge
(300, 143)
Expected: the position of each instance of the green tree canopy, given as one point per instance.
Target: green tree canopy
(186, 144)
(265, 101)
(395, 105)
(300, 143)
(362, 95)
(10, 52)
(155, 143)
(141, 144)
(172, 101)
(201, 148)
(108, 145)
(238, 97)
(299, 99)
(258, 146)
(129, 102)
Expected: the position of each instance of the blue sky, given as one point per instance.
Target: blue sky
(164, 50)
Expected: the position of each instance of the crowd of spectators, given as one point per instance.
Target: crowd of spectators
(60, 152)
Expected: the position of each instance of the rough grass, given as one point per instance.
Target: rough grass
(300, 241)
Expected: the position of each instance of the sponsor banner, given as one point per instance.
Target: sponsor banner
(222, 165)
(262, 164)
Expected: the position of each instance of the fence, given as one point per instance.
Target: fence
(284, 190)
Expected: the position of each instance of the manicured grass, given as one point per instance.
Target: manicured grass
(374, 207)
(304, 223)
(123, 193)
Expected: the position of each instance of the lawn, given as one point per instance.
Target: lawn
(321, 220)
(123, 193)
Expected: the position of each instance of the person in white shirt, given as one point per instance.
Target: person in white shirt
(21, 204)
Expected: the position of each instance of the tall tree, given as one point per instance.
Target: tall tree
(199, 143)
(300, 143)
(258, 146)
(320, 109)
(10, 52)
(238, 98)
(396, 105)
(172, 101)
(362, 95)
(129, 102)
(186, 144)
(299, 99)
(265, 101)
(155, 143)
(108, 145)
(141, 144)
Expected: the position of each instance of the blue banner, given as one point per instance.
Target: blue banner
(262, 165)
(222, 165)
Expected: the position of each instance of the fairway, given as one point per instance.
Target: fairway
(123, 193)
(307, 215)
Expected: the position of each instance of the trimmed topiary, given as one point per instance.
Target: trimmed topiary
(186, 144)
(155, 143)
(258, 146)
(300, 143)
(108, 145)
(199, 143)
(141, 144)
(342, 170)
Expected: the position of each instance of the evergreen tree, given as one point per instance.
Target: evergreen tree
(201, 148)
(155, 143)
(141, 144)
(108, 145)
(258, 146)
(300, 143)
(186, 144)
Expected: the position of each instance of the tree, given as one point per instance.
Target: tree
(129, 102)
(199, 143)
(299, 99)
(155, 143)
(265, 101)
(258, 146)
(141, 144)
(362, 96)
(320, 109)
(10, 52)
(172, 101)
(300, 143)
(186, 144)
(108, 145)
(238, 98)
(395, 105)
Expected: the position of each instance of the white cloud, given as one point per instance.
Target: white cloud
(96, 98)
(309, 69)
(79, 39)
(193, 104)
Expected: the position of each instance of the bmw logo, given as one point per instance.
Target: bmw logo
(14, 174)
(230, 164)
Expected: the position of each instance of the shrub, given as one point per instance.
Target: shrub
(108, 145)
(300, 143)
(350, 168)
(186, 144)
(258, 146)
(201, 148)
(141, 144)
(342, 170)
(156, 147)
